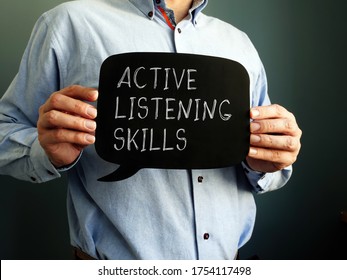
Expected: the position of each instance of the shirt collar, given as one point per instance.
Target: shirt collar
(148, 8)
(197, 7)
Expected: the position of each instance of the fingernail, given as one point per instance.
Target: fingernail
(90, 125)
(255, 126)
(255, 138)
(253, 151)
(91, 111)
(255, 113)
(90, 138)
(95, 93)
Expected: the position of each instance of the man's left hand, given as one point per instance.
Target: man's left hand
(275, 139)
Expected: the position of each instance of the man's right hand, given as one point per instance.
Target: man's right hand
(66, 124)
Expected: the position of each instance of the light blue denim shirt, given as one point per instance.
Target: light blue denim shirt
(155, 214)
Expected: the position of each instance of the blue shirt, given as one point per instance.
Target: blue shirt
(155, 214)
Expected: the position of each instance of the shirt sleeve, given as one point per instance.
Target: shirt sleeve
(264, 182)
(21, 155)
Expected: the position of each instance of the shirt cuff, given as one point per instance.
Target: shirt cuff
(43, 170)
(265, 182)
(255, 178)
(67, 167)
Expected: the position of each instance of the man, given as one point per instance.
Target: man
(47, 126)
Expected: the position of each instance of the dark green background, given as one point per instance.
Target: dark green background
(303, 47)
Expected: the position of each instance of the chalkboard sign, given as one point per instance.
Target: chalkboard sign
(172, 111)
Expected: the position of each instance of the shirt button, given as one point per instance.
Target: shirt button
(179, 30)
(206, 236)
(200, 179)
(157, 1)
(150, 14)
(33, 179)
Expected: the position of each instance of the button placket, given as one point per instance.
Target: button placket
(204, 226)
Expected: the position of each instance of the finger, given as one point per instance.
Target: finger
(53, 119)
(277, 142)
(279, 157)
(58, 136)
(263, 166)
(81, 93)
(279, 126)
(272, 111)
(69, 105)
(69, 100)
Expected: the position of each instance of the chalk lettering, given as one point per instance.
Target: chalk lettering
(127, 75)
(167, 70)
(151, 148)
(135, 78)
(156, 99)
(168, 108)
(178, 83)
(144, 133)
(116, 115)
(197, 102)
(224, 117)
(164, 143)
(133, 140)
(183, 139)
(132, 100)
(190, 80)
(169, 73)
(207, 109)
(181, 108)
(143, 107)
(155, 82)
(121, 139)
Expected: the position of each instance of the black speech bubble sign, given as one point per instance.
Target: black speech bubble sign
(172, 111)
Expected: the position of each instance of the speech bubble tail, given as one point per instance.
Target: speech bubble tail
(123, 172)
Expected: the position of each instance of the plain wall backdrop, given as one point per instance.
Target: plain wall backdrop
(303, 47)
